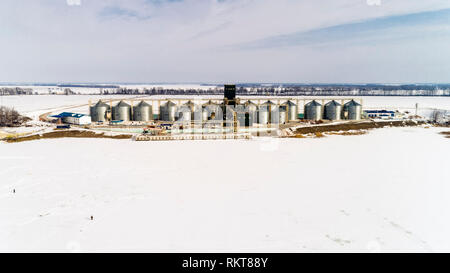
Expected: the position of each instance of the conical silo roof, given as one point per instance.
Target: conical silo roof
(122, 104)
(143, 104)
(189, 103)
(268, 103)
(289, 103)
(100, 103)
(313, 103)
(333, 103)
(210, 102)
(352, 103)
(169, 103)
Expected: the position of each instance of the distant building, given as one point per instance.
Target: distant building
(74, 118)
(379, 114)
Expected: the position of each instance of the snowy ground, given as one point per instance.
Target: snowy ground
(385, 191)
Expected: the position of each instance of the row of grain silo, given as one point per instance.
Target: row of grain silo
(121, 111)
(333, 110)
(247, 112)
(266, 113)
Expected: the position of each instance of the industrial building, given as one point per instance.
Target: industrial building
(379, 114)
(227, 113)
(73, 118)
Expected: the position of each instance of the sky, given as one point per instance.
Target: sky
(219, 41)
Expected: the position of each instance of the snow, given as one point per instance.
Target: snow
(384, 191)
(85, 90)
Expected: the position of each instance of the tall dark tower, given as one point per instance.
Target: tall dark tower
(230, 92)
(229, 99)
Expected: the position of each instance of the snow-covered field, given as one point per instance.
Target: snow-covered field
(47, 89)
(31, 104)
(385, 191)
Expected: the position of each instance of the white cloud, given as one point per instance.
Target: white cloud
(73, 2)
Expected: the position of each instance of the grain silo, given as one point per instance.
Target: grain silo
(270, 110)
(122, 111)
(99, 111)
(190, 111)
(244, 116)
(168, 111)
(211, 111)
(282, 114)
(252, 109)
(263, 114)
(291, 109)
(352, 110)
(143, 112)
(333, 110)
(313, 110)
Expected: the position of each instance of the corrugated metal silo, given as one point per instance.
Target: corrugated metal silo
(99, 110)
(251, 107)
(268, 112)
(282, 114)
(292, 110)
(122, 111)
(313, 110)
(333, 110)
(244, 118)
(190, 111)
(143, 112)
(211, 111)
(263, 114)
(352, 110)
(168, 111)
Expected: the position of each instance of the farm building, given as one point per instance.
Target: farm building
(73, 118)
(379, 113)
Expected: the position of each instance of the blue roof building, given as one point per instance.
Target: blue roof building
(73, 118)
(379, 113)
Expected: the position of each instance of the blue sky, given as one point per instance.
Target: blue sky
(386, 41)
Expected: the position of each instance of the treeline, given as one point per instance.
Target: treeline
(10, 117)
(268, 90)
(288, 91)
(10, 91)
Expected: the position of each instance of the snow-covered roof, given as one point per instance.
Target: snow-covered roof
(68, 114)
(379, 112)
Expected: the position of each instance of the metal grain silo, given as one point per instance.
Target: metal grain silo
(252, 109)
(333, 110)
(99, 111)
(263, 114)
(143, 112)
(185, 112)
(244, 118)
(313, 110)
(211, 111)
(190, 111)
(268, 112)
(122, 111)
(291, 109)
(352, 110)
(168, 111)
(282, 114)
